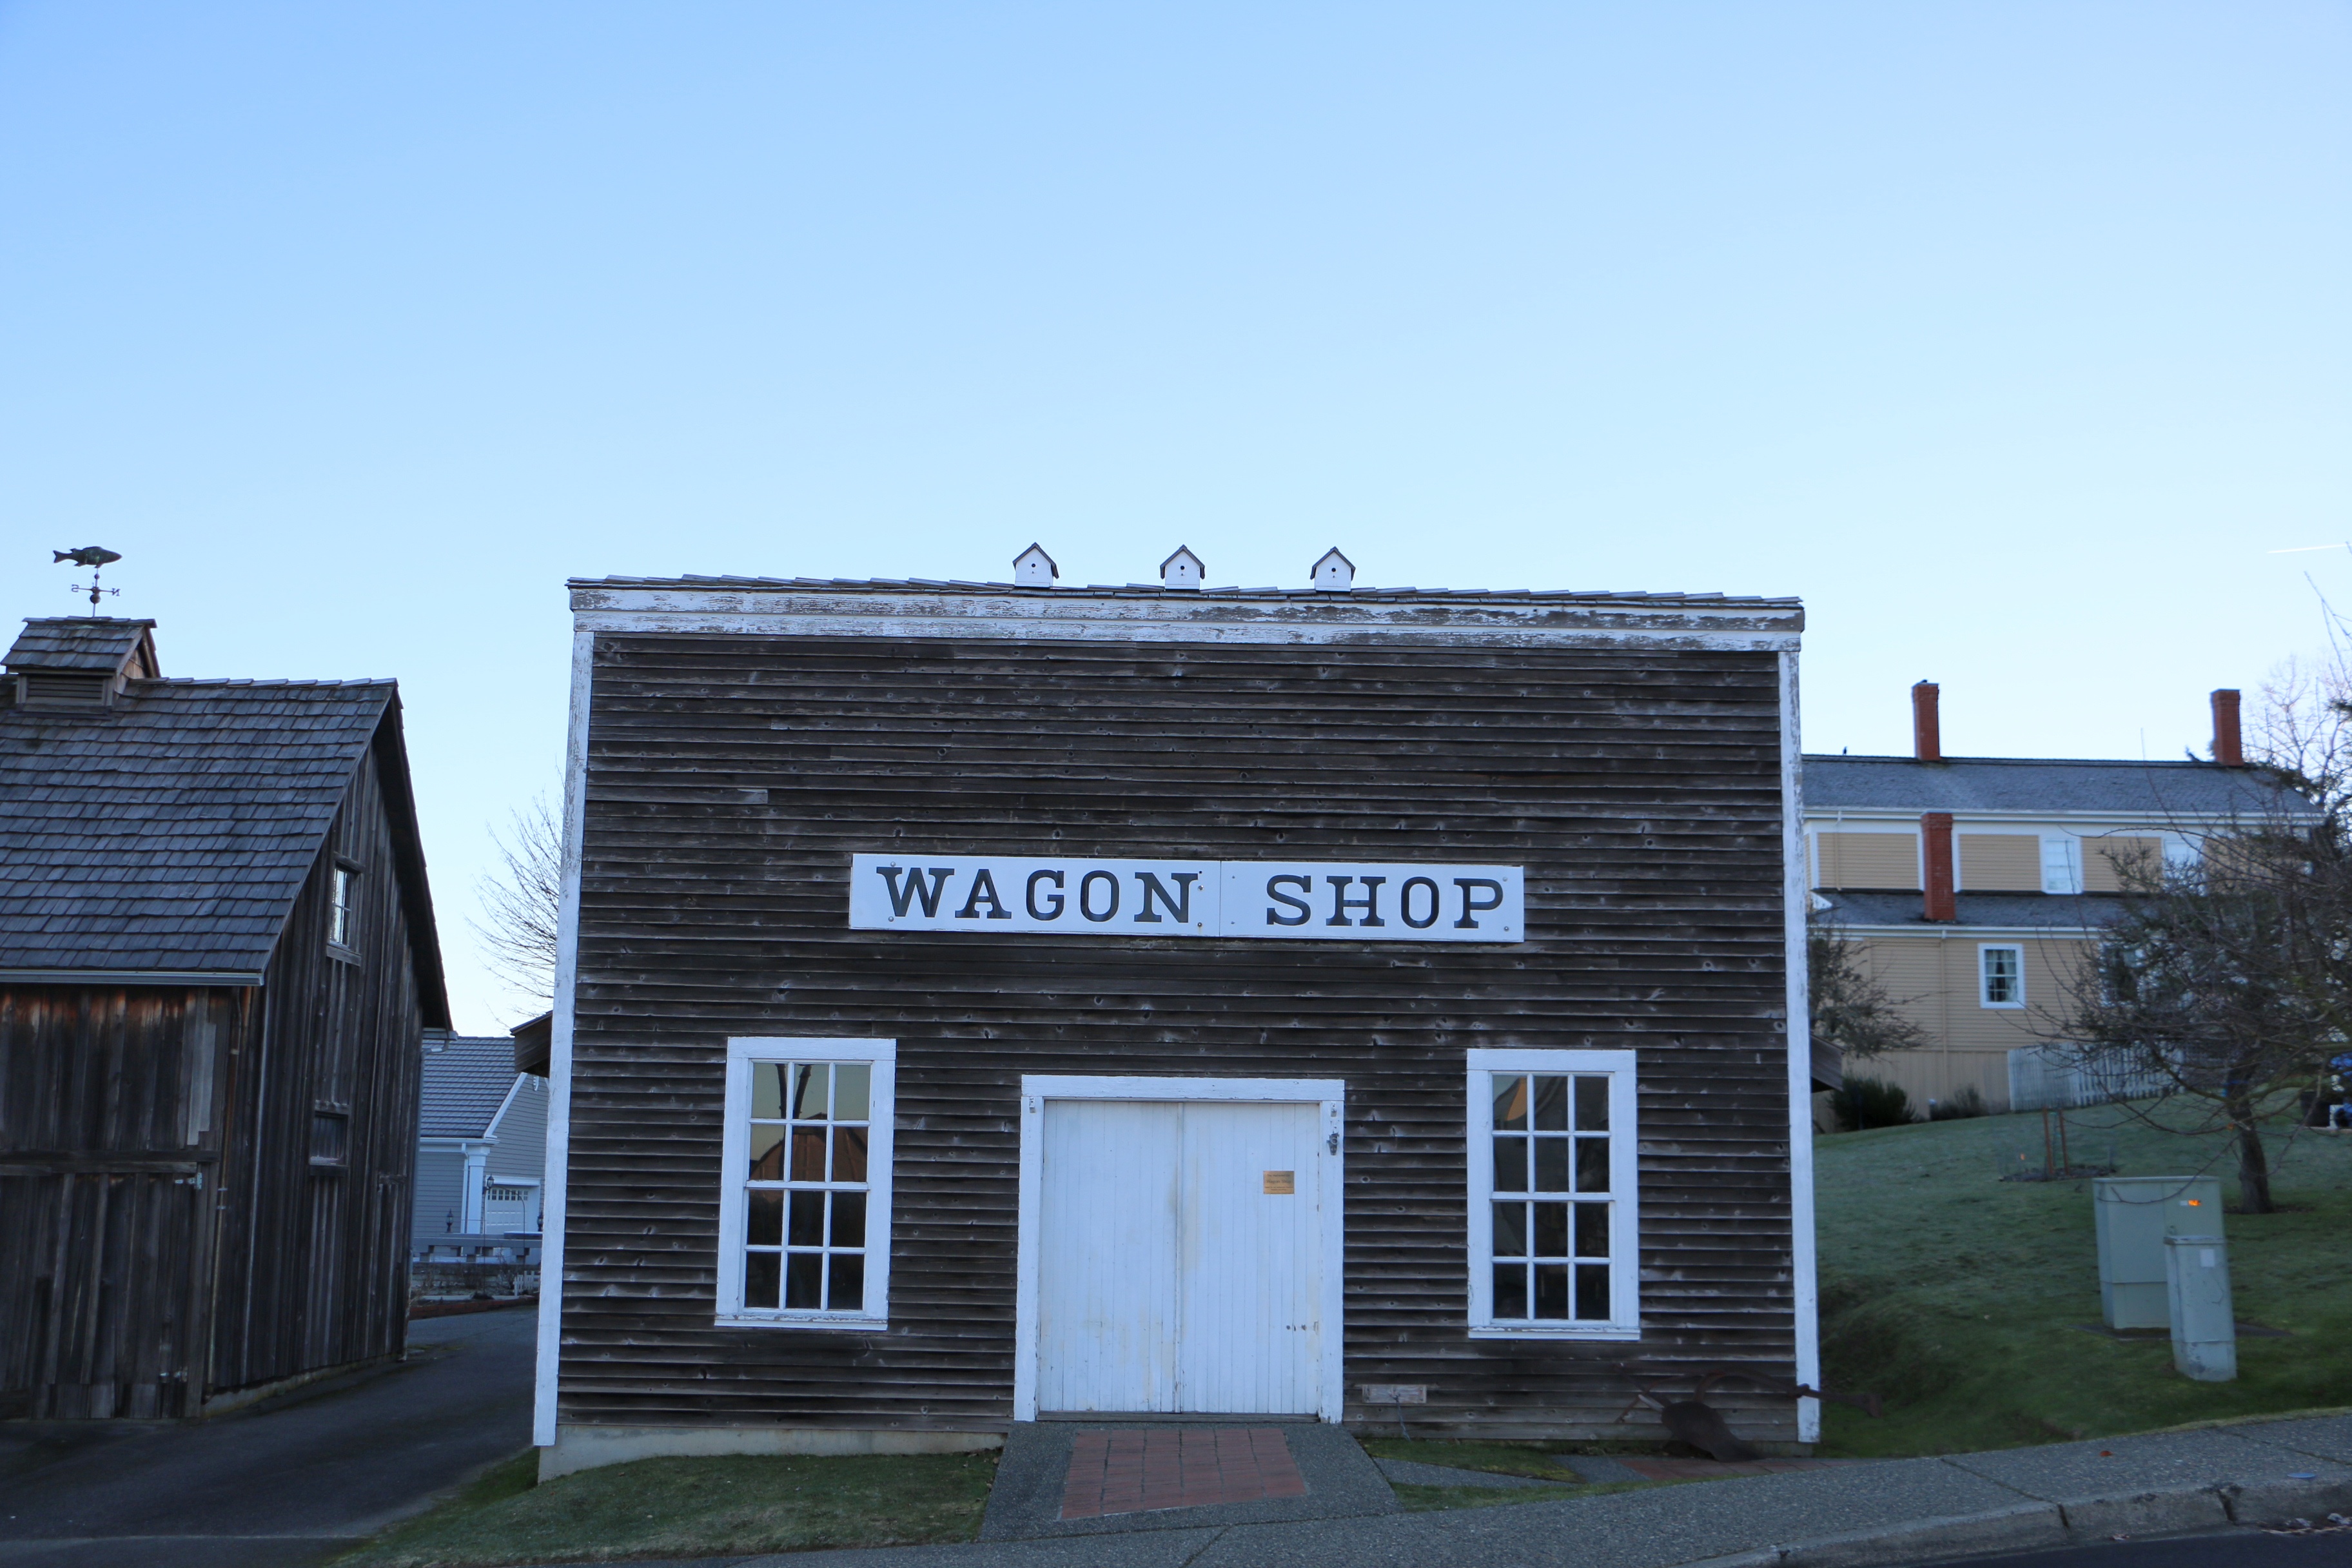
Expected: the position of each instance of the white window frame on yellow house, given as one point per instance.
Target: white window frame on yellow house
(1985, 950)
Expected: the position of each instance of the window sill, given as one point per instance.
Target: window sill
(810, 1321)
(2003, 1006)
(1548, 1332)
(343, 954)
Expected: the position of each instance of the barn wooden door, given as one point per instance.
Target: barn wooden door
(1179, 1258)
(96, 1269)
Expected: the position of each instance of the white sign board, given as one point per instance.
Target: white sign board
(1303, 900)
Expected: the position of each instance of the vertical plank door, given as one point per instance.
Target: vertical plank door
(1106, 1257)
(1251, 1339)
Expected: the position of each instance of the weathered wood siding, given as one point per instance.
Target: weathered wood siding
(731, 778)
(113, 1105)
(315, 1252)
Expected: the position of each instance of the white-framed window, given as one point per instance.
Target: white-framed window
(1555, 1226)
(2000, 974)
(342, 900)
(804, 1196)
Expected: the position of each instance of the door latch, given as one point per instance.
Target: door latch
(1335, 1142)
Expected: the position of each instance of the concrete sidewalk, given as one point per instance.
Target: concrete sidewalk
(1896, 1511)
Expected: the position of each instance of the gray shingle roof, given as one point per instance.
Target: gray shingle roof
(2060, 913)
(465, 1081)
(173, 830)
(2183, 789)
(94, 645)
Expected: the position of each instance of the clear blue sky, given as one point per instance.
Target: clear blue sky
(2014, 338)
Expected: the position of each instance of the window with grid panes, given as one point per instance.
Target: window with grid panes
(2002, 969)
(1552, 1231)
(807, 1150)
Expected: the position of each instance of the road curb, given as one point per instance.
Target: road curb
(2042, 1526)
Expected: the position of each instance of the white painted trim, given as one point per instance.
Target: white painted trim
(735, 1147)
(2124, 821)
(1796, 893)
(491, 1130)
(1624, 1184)
(2017, 948)
(1192, 616)
(1962, 929)
(472, 1189)
(1328, 1094)
(559, 1067)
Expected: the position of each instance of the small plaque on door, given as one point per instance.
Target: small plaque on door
(1282, 1181)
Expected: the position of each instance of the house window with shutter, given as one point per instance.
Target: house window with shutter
(805, 1208)
(1554, 1231)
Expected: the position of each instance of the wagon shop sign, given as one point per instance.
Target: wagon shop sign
(1304, 900)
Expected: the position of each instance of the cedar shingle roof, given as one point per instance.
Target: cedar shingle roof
(173, 830)
(465, 1081)
(85, 645)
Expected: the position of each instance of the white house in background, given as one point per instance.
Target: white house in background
(481, 1147)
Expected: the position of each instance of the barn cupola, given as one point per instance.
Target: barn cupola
(1033, 568)
(1181, 570)
(1334, 573)
(78, 661)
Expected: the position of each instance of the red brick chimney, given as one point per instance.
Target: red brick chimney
(1936, 861)
(1927, 729)
(2228, 749)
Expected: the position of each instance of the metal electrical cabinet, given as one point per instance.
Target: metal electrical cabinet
(2204, 1329)
(2135, 1215)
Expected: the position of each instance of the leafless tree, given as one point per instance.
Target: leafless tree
(521, 898)
(2228, 976)
(1849, 1009)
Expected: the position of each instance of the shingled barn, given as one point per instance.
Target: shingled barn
(216, 957)
(991, 1003)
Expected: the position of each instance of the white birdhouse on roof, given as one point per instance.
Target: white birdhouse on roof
(1181, 570)
(1335, 572)
(1033, 568)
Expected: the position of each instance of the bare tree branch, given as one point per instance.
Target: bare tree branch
(1849, 1009)
(523, 896)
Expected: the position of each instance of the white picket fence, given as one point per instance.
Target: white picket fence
(2041, 1079)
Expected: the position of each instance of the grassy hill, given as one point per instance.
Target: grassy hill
(1955, 1296)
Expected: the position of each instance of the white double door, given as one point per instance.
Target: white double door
(1180, 1258)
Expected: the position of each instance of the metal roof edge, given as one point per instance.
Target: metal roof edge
(846, 585)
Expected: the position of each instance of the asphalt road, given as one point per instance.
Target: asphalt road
(282, 1487)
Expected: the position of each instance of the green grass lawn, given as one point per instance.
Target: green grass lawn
(1955, 1296)
(693, 1508)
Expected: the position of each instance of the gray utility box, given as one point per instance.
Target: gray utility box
(2134, 1215)
(2204, 1329)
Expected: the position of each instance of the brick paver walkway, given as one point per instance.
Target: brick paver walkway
(1177, 1467)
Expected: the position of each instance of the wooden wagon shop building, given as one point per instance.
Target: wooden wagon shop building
(990, 1003)
(217, 956)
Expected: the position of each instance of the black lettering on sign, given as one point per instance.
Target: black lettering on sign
(1470, 905)
(1404, 903)
(1272, 890)
(915, 889)
(1180, 906)
(984, 886)
(1034, 913)
(1341, 903)
(1085, 906)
